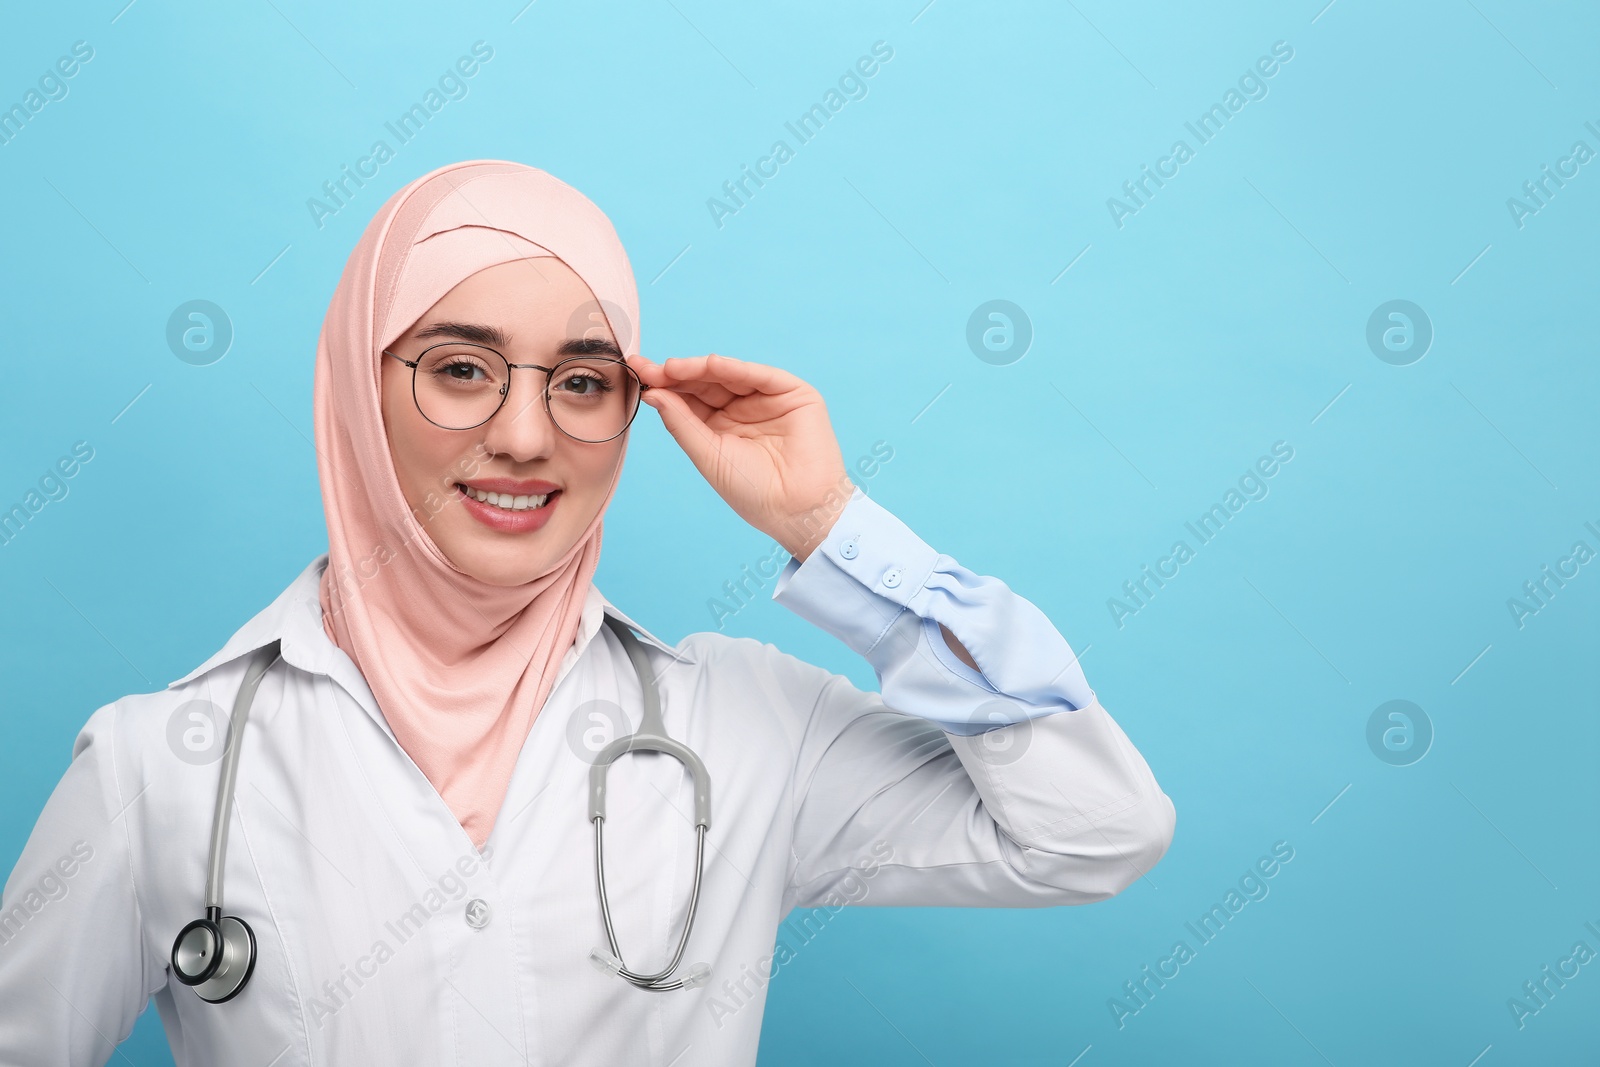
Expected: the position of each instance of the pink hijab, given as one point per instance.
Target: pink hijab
(459, 668)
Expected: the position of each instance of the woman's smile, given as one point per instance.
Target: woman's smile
(508, 505)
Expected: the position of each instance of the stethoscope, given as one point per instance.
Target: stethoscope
(216, 955)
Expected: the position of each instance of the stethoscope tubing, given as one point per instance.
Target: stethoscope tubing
(648, 981)
(216, 954)
(259, 665)
(651, 736)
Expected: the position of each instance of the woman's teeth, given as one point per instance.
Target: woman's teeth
(506, 500)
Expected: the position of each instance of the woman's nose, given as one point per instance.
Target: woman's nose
(522, 427)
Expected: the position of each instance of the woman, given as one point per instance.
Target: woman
(410, 843)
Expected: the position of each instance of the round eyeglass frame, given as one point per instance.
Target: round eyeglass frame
(505, 390)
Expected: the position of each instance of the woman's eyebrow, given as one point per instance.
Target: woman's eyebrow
(494, 337)
(589, 346)
(475, 332)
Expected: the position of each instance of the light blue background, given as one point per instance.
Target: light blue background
(1229, 313)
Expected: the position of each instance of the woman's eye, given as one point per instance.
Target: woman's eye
(583, 384)
(460, 371)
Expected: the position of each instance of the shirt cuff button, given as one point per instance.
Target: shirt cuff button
(848, 550)
(892, 578)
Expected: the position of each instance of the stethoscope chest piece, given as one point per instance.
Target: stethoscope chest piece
(215, 957)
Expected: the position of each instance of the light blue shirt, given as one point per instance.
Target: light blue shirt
(899, 590)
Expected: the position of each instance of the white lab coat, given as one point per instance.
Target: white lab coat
(357, 879)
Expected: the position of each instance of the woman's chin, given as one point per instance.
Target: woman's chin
(499, 557)
(502, 565)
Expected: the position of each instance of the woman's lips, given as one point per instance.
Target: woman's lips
(506, 520)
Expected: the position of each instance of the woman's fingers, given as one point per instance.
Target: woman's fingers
(698, 441)
(744, 392)
(735, 375)
(759, 435)
(683, 416)
(701, 410)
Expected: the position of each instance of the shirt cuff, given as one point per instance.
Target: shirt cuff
(884, 592)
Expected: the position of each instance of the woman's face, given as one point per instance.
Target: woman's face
(530, 311)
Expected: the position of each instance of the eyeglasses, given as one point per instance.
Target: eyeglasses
(458, 386)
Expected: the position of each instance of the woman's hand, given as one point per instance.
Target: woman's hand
(760, 436)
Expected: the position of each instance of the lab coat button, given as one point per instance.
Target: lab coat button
(848, 550)
(477, 913)
(892, 578)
